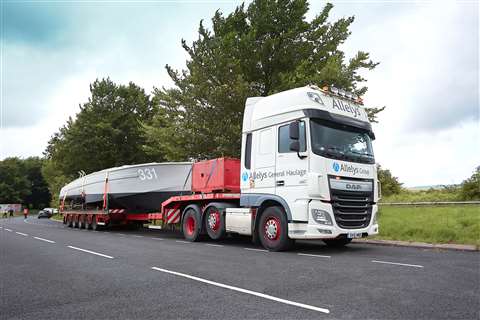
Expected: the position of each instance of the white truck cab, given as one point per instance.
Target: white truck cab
(309, 152)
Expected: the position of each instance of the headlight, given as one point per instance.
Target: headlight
(322, 217)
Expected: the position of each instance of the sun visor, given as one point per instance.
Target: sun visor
(337, 118)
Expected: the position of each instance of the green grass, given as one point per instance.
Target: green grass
(424, 196)
(57, 216)
(432, 224)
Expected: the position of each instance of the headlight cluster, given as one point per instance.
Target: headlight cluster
(322, 217)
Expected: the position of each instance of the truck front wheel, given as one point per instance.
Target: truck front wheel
(273, 230)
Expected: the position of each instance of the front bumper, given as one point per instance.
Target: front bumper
(314, 230)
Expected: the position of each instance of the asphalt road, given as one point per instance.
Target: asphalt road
(49, 271)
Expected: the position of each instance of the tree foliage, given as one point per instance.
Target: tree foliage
(470, 189)
(106, 132)
(21, 181)
(258, 50)
(390, 184)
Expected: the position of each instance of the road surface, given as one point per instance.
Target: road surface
(49, 271)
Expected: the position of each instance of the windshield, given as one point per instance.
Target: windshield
(337, 141)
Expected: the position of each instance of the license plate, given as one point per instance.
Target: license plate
(354, 235)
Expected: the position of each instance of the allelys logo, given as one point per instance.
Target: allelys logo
(336, 167)
(349, 168)
(245, 176)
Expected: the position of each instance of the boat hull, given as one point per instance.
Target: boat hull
(134, 188)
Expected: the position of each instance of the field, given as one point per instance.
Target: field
(433, 224)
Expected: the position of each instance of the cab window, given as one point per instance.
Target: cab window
(284, 138)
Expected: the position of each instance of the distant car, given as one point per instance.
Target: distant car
(44, 214)
(51, 210)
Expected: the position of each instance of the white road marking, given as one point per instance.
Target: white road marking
(156, 238)
(213, 245)
(46, 240)
(121, 234)
(313, 255)
(137, 236)
(92, 252)
(1, 227)
(398, 264)
(253, 293)
(9, 230)
(21, 233)
(252, 249)
(181, 241)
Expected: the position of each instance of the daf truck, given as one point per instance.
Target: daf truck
(307, 171)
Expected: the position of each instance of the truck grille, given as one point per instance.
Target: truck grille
(352, 209)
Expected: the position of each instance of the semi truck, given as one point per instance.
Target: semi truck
(306, 171)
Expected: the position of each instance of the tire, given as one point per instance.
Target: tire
(83, 223)
(76, 222)
(215, 223)
(69, 221)
(338, 242)
(95, 226)
(273, 230)
(191, 225)
(88, 226)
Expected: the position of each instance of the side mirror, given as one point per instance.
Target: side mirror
(295, 146)
(294, 130)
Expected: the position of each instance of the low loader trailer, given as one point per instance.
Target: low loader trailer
(307, 171)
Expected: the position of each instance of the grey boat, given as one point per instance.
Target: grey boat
(140, 188)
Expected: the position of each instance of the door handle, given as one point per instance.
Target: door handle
(280, 183)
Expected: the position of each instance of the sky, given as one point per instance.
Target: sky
(428, 76)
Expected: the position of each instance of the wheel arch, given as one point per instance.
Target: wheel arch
(262, 202)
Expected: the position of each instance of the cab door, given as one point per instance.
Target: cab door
(291, 171)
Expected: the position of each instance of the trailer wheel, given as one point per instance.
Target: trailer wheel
(273, 232)
(191, 225)
(83, 222)
(76, 222)
(215, 223)
(69, 221)
(94, 223)
(88, 224)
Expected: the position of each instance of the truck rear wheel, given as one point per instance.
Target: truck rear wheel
(69, 221)
(191, 225)
(215, 223)
(338, 242)
(273, 230)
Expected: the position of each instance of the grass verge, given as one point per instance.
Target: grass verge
(431, 224)
(57, 217)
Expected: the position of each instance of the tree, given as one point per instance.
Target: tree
(390, 184)
(470, 189)
(255, 51)
(14, 184)
(39, 196)
(106, 132)
(55, 180)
